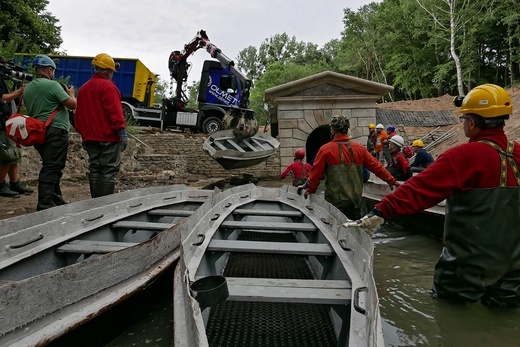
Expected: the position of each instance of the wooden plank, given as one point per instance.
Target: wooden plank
(234, 144)
(220, 145)
(259, 143)
(141, 225)
(248, 144)
(269, 226)
(277, 213)
(297, 248)
(170, 212)
(93, 247)
(290, 290)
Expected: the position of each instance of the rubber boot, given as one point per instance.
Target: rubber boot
(107, 188)
(16, 186)
(95, 186)
(7, 192)
(100, 188)
(45, 196)
(57, 198)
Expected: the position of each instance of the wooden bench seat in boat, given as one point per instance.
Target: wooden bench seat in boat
(330, 292)
(93, 247)
(297, 248)
(141, 225)
(246, 212)
(269, 226)
(170, 212)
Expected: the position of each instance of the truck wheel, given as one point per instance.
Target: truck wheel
(127, 112)
(211, 125)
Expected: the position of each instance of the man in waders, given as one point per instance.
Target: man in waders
(342, 163)
(480, 259)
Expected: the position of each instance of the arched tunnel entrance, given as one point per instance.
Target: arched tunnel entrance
(317, 138)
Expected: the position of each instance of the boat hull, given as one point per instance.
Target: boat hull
(429, 222)
(36, 308)
(255, 238)
(232, 153)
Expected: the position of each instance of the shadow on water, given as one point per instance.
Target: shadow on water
(403, 267)
(145, 319)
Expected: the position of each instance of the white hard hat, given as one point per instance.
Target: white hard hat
(380, 126)
(397, 140)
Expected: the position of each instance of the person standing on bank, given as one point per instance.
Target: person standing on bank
(422, 159)
(381, 140)
(480, 259)
(10, 154)
(342, 161)
(42, 96)
(100, 121)
(371, 139)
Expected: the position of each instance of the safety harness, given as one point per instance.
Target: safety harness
(503, 155)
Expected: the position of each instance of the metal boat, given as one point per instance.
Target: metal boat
(233, 153)
(63, 266)
(429, 222)
(266, 267)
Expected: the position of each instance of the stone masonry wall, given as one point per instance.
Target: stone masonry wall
(184, 154)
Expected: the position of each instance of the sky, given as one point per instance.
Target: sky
(151, 30)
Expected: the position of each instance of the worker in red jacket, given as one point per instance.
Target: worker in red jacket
(342, 161)
(100, 121)
(398, 165)
(480, 259)
(297, 169)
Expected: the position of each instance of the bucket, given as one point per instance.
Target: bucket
(210, 290)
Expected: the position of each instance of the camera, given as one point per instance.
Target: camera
(12, 71)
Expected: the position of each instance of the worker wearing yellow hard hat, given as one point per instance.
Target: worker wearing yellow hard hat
(371, 139)
(480, 181)
(422, 159)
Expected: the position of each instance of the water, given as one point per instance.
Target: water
(403, 268)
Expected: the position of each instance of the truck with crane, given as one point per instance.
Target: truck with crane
(223, 97)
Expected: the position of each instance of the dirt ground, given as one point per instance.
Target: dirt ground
(75, 185)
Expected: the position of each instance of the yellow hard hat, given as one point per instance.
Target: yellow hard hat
(371, 126)
(488, 101)
(418, 143)
(104, 61)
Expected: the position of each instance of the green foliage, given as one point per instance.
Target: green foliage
(161, 87)
(193, 93)
(277, 74)
(26, 26)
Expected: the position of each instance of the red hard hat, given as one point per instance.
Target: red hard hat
(299, 154)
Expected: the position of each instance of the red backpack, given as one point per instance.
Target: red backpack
(408, 151)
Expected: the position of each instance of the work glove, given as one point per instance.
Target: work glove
(124, 139)
(300, 188)
(370, 223)
(306, 194)
(394, 185)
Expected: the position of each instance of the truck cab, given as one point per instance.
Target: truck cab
(219, 91)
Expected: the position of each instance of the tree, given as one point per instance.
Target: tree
(161, 87)
(26, 26)
(451, 18)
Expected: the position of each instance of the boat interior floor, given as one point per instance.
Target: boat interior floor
(250, 323)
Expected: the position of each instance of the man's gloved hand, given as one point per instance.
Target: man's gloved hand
(306, 194)
(124, 139)
(394, 185)
(370, 223)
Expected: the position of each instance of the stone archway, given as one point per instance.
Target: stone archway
(298, 108)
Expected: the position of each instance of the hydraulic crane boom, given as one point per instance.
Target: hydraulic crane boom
(241, 119)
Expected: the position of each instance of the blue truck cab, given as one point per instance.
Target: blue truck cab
(219, 91)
